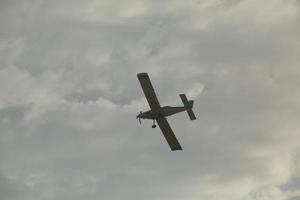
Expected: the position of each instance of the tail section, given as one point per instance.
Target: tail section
(188, 105)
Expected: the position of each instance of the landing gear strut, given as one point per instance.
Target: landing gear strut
(153, 126)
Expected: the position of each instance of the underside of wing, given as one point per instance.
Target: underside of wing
(168, 133)
(149, 91)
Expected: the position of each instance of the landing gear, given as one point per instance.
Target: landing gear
(153, 126)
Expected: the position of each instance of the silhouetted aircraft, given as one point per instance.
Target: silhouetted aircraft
(159, 113)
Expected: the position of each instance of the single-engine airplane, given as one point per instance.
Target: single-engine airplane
(159, 114)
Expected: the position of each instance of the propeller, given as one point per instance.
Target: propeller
(139, 117)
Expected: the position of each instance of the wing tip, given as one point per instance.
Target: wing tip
(141, 75)
(177, 149)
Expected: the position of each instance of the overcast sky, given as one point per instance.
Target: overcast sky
(69, 96)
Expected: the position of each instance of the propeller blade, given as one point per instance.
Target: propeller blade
(139, 117)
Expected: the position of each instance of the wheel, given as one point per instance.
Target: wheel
(153, 126)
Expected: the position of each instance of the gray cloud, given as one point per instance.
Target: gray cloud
(69, 96)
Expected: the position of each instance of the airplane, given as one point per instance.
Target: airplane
(159, 114)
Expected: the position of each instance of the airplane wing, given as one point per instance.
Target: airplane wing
(149, 91)
(168, 133)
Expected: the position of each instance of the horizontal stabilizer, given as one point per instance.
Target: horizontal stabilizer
(188, 105)
(184, 99)
(191, 114)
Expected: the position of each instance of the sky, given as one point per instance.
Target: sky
(69, 99)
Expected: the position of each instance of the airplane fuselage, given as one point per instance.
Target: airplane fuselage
(163, 112)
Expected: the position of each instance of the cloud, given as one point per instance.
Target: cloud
(69, 97)
(195, 91)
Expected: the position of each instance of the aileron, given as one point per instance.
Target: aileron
(168, 133)
(149, 91)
